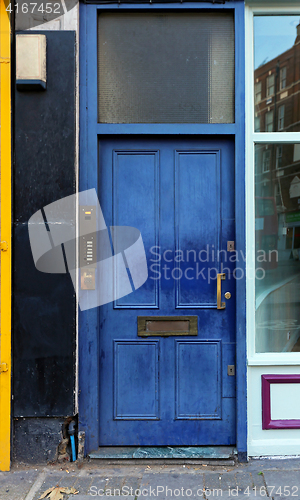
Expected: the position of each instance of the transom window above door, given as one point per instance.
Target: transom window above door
(182, 74)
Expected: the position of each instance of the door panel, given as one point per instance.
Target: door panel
(170, 390)
(132, 358)
(135, 189)
(197, 364)
(197, 223)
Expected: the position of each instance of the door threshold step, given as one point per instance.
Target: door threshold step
(172, 454)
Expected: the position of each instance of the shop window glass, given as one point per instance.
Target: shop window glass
(257, 165)
(269, 121)
(281, 118)
(277, 194)
(289, 238)
(277, 244)
(296, 153)
(266, 161)
(257, 92)
(276, 61)
(278, 156)
(257, 124)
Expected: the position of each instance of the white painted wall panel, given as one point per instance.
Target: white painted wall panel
(285, 401)
(276, 442)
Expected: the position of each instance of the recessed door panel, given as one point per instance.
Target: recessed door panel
(197, 365)
(131, 359)
(135, 189)
(197, 226)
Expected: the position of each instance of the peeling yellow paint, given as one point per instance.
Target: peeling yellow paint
(5, 265)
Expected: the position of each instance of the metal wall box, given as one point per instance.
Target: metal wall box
(87, 246)
(31, 72)
(167, 326)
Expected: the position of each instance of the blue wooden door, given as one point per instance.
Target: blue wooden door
(175, 390)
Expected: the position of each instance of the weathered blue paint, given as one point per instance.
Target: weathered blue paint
(240, 193)
(166, 128)
(88, 375)
(178, 193)
(89, 133)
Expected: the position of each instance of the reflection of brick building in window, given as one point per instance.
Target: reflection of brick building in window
(277, 108)
(277, 90)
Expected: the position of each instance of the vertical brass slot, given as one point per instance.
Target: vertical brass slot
(220, 304)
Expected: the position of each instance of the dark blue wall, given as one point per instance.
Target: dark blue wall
(44, 304)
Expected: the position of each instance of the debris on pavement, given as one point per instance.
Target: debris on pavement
(57, 493)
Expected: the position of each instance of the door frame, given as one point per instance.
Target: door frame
(88, 370)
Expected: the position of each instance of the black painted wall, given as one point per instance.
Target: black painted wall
(44, 304)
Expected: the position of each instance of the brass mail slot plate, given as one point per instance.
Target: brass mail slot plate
(167, 326)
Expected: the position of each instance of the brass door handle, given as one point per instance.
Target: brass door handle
(220, 304)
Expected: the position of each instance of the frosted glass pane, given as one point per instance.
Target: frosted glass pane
(166, 68)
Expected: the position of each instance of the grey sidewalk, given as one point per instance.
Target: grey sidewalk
(257, 479)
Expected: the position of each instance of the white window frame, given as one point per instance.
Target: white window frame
(252, 138)
(282, 79)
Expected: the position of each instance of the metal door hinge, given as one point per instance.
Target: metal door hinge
(4, 246)
(231, 370)
(3, 367)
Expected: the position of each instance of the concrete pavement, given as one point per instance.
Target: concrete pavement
(270, 478)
